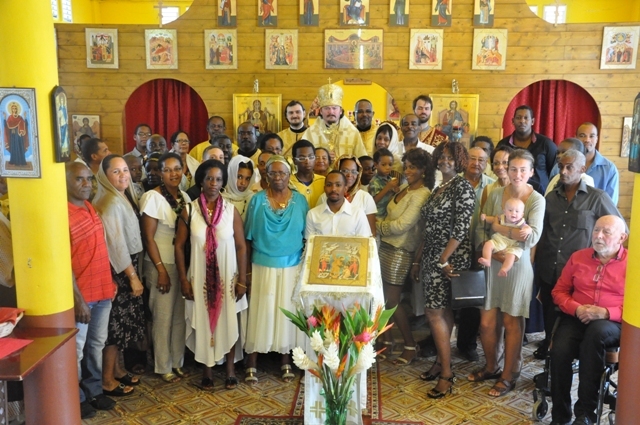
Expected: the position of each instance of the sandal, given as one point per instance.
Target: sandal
(250, 377)
(433, 393)
(401, 361)
(502, 387)
(388, 348)
(170, 377)
(287, 374)
(428, 375)
(179, 372)
(128, 379)
(206, 384)
(483, 374)
(118, 391)
(231, 383)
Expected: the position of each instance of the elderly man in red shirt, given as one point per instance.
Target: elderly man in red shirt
(590, 291)
(93, 288)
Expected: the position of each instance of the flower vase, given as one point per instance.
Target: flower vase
(336, 409)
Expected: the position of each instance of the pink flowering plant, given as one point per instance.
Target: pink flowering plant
(344, 346)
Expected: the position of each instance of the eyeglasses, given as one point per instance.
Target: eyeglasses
(182, 141)
(175, 170)
(477, 159)
(304, 158)
(347, 172)
(598, 275)
(497, 163)
(144, 134)
(278, 174)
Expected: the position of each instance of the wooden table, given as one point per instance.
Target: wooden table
(20, 364)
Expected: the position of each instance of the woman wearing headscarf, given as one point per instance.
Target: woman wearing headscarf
(216, 277)
(160, 208)
(242, 176)
(118, 210)
(352, 170)
(274, 230)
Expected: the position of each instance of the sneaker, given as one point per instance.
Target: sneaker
(86, 410)
(102, 402)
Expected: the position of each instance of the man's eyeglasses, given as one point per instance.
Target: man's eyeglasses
(304, 158)
(144, 134)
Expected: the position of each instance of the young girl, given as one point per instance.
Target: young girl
(385, 184)
(241, 177)
(513, 216)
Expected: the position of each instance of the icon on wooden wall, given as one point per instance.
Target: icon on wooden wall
(441, 13)
(354, 12)
(456, 115)
(634, 149)
(267, 13)
(281, 49)
(309, 13)
(626, 136)
(425, 49)
(483, 13)
(353, 49)
(399, 13)
(20, 154)
(227, 13)
(161, 48)
(85, 124)
(619, 48)
(264, 111)
(62, 136)
(102, 47)
(489, 49)
(220, 47)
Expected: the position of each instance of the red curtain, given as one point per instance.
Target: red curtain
(559, 107)
(167, 105)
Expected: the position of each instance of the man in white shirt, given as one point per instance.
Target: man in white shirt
(336, 217)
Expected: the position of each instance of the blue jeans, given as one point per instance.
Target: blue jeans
(90, 340)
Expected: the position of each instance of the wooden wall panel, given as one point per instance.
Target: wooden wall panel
(536, 51)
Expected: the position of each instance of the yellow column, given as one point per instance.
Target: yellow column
(39, 218)
(628, 389)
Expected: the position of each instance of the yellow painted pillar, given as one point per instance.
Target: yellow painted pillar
(628, 388)
(39, 217)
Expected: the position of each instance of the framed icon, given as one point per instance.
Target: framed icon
(19, 133)
(281, 49)
(161, 48)
(62, 136)
(102, 47)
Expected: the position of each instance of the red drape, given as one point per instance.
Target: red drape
(559, 107)
(167, 105)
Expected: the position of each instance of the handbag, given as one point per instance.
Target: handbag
(469, 288)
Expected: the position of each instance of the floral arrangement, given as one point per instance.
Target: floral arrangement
(343, 344)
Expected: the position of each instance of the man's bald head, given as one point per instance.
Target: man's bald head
(608, 235)
(79, 178)
(72, 167)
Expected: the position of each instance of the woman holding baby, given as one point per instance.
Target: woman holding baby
(508, 297)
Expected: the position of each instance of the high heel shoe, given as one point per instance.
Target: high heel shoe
(401, 361)
(433, 393)
(388, 349)
(428, 376)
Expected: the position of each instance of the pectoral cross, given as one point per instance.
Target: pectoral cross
(159, 7)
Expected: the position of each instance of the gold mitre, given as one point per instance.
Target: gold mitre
(330, 95)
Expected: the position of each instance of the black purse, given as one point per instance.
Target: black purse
(469, 289)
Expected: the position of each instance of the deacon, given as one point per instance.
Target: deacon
(366, 126)
(294, 114)
(423, 107)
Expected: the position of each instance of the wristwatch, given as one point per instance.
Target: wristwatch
(443, 265)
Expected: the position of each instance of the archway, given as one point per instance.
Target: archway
(559, 107)
(167, 105)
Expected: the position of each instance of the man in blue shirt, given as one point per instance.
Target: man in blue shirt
(604, 172)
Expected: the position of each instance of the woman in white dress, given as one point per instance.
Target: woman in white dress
(352, 170)
(160, 208)
(216, 278)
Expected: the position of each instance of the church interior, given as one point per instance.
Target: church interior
(557, 65)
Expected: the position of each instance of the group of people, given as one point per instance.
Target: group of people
(215, 237)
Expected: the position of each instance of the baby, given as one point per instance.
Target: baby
(512, 217)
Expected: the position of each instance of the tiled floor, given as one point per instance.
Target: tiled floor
(402, 398)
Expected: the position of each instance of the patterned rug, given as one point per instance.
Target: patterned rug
(299, 420)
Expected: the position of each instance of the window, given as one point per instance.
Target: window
(534, 9)
(170, 14)
(67, 16)
(54, 9)
(555, 14)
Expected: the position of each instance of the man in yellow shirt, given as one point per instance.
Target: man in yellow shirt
(310, 185)
(215, 127)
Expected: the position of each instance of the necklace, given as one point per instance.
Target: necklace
(280, 205)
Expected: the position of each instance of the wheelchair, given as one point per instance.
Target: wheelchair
(607, 393)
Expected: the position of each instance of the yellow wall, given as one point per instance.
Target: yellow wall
(583, 11)
(83, 11)
(120, 12)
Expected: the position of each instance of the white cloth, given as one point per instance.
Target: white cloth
(231, 192)
(228, 330)
(361, 200)
(341, 298)
(156, 206)
(343, 140)
(348, 221)
(586, 178)
(192, 165)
